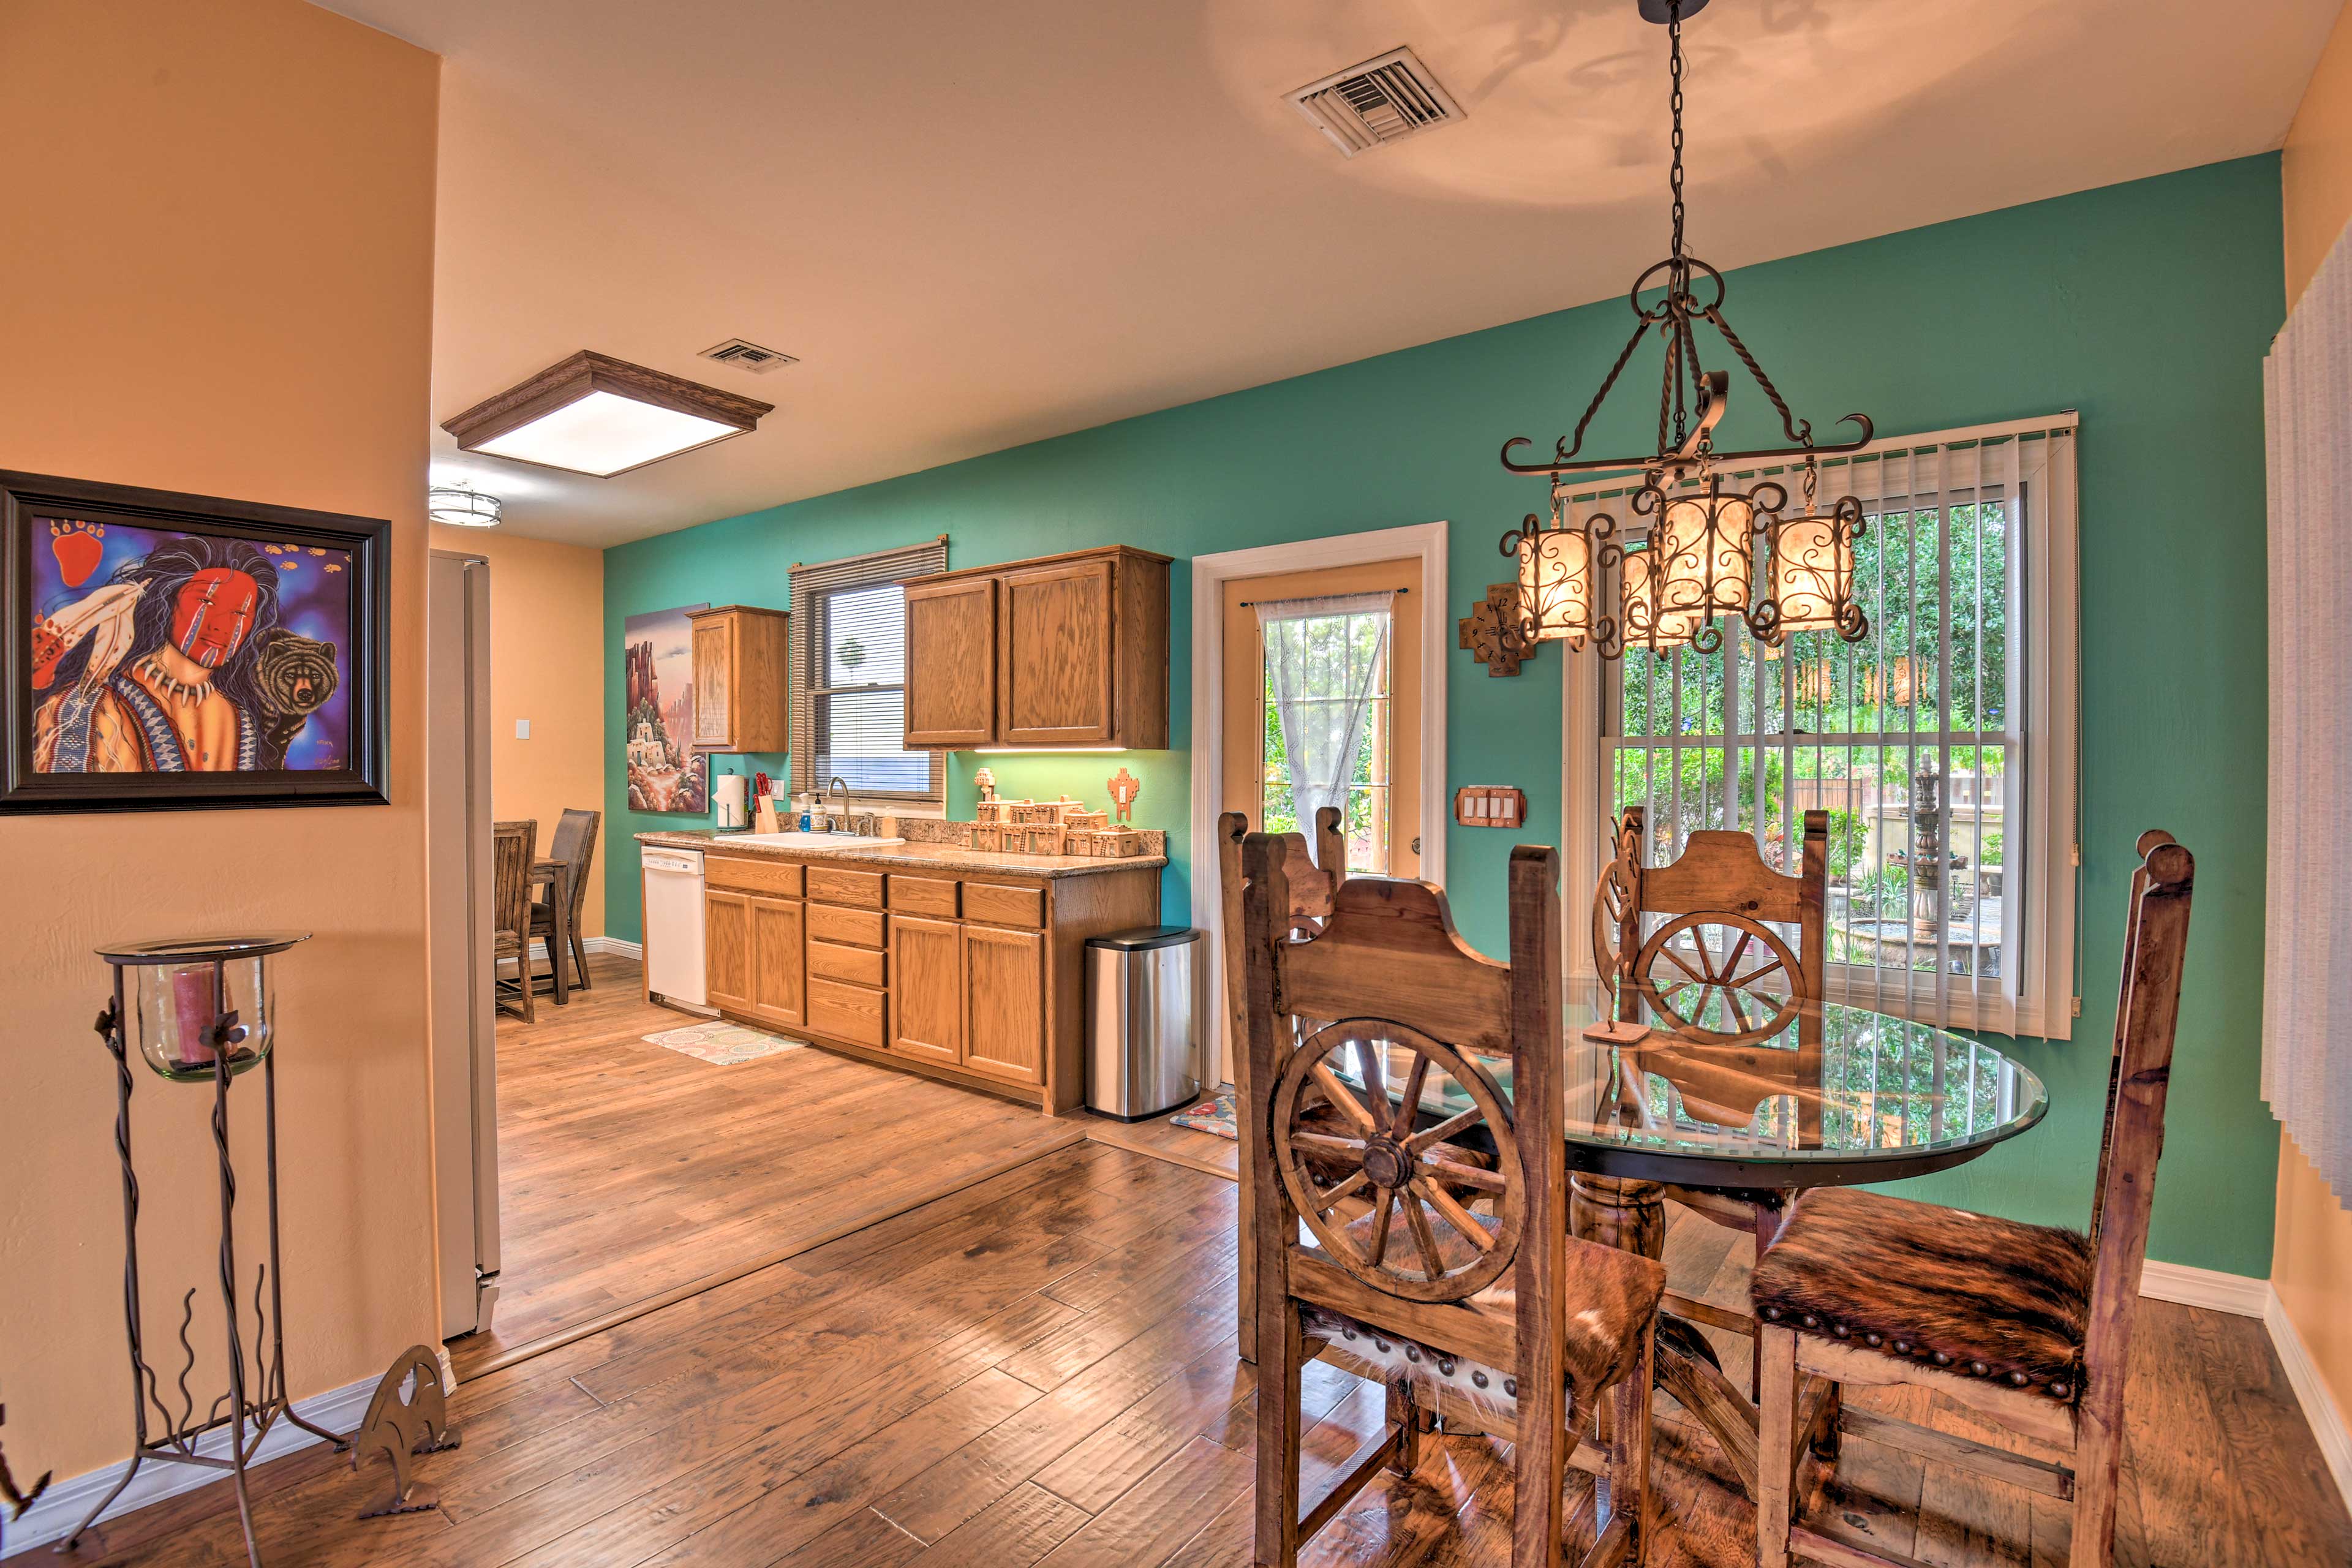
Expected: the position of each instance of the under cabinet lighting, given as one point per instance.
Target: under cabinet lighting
(599, 415)
(1045, 751)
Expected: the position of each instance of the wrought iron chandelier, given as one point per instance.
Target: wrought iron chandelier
(1698, 559)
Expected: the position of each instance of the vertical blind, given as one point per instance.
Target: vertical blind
(2307, 962)
(848, 677)
(1935, 730)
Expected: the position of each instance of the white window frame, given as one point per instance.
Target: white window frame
(2046, 608)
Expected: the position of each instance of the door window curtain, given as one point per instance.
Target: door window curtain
(2307, 962)
(1322, 661)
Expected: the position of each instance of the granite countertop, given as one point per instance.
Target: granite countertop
(914, 857)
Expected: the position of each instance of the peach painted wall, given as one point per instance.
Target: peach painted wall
(547, 665)
(216, 277)
(2311, 1255)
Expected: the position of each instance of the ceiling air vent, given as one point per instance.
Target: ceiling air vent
(1381, 100)
(748, 357)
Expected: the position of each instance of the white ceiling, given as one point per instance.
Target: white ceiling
(981, 225)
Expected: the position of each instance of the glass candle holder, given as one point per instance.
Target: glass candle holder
(191, 1004)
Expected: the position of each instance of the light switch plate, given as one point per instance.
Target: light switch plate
(522, 728)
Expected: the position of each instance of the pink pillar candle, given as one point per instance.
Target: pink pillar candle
(194, 1013)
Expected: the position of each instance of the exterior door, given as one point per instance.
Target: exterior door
(1382, 815)
(726, 950)
(927, 984)
(779, 982)
(1004, 1033)
(951, 662)
(1053, 686)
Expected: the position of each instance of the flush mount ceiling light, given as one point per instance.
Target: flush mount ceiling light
(462, 506)
(599, 415)
(1698, 562)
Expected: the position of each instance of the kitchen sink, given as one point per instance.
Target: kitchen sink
(807, 840)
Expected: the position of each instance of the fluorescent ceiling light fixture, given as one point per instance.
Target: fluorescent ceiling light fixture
(599, 415)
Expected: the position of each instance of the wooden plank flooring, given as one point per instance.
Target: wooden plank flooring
(1039, 1370)
(628, 1169)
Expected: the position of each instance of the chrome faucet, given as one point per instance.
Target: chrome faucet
(843, 823)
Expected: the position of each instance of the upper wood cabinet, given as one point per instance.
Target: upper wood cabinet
(739, 654)
(951, 662)
(1066, 650)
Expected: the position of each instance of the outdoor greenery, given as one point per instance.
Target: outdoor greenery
(1333, 640)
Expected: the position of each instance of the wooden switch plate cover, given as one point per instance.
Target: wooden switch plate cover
(1490, 805)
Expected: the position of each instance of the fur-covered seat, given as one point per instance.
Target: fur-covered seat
(1973, 1295)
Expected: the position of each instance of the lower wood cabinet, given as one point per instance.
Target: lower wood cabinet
(726, 950)
(779, 985)
(1004, 978)
(976, 979)
(927, 966)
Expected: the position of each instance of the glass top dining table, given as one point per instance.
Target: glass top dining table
(1732, 1090)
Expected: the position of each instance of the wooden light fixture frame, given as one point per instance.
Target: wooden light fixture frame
(567, 382)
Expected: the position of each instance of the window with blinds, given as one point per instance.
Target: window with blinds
(849, 676)
(1941, 745)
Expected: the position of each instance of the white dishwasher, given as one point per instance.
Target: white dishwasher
(672, 882)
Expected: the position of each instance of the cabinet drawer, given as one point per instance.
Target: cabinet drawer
(858, 890)
(924, 895)
(859, 965)
(751, 875)
(846, 1011)
(1003, 905)
(858, 928)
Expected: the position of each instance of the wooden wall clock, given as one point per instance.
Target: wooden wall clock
(1490, 631)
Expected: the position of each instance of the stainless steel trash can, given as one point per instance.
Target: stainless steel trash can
(1143, 1035)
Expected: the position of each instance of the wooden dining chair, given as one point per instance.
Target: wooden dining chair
(575, 846)
(512, 845)
(1454, 1283)
(2027, 1326)
(1702, 946)
(1310, 898)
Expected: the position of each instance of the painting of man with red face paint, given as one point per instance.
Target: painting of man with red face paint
(154, 650)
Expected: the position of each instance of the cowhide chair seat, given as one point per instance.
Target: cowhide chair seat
(1975, 1296)
(1613, 1297)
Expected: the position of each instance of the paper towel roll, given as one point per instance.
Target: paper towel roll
(728, 790)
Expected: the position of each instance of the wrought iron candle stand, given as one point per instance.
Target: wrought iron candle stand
(188, 1031)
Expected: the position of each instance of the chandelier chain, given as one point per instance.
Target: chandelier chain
(1675, 70)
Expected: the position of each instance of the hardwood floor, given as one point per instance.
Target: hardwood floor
(628, 1169)
(1040, 1370)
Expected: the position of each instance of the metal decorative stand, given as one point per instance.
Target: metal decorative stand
(257, 1396)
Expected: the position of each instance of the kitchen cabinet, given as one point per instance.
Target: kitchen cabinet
(1064, 650)
(951, 693)
(739, 654)
(779, 985)
(927, 958)
(726, 950)
(1006, 991)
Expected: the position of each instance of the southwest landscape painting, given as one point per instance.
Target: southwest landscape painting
(664, 774)
(204, 653)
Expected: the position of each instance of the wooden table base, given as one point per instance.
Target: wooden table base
(1632, 1217)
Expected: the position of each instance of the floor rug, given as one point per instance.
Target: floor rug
(722, 1045)
(1214, 1114)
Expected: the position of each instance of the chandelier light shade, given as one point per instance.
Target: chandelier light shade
(462, 508)
(1699, 563)
(1556, 575)
(1812, 575)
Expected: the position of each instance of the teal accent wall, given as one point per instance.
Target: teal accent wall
(2146, 306)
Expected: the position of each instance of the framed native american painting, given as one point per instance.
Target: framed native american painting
(163, 652)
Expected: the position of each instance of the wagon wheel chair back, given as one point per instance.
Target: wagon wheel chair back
(1416, 1129)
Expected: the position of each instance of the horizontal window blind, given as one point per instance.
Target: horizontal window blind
(848, 677)
(1930, 742)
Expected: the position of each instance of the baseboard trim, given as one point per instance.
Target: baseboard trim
(611, 945)
(2240, 1294)
(2318, 1402)
(62, 1506)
